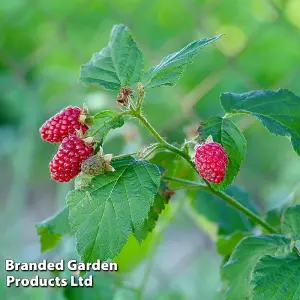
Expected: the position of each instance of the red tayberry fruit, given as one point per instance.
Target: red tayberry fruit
(63, 124)
(211, 161)
(66, 163)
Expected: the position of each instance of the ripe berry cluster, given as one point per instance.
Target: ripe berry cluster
(211, 161)
(67, 128)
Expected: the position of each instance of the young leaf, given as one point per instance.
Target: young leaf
(115, 204)
(168, 71)
(215, 210)
(276, 278)
(237, 271)
(291, 222)
(52, 230)
(279, 111)
(231, 138)
(104, 121)
(119, 64)
(162, 197)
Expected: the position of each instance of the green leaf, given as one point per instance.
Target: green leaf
(162, 197)
(103, 122)
(279, 111)
(168, 71)
(277, 278)
(52, 230)
(291, 222)
(114, 205)
(231, 138)
(119, 64)
(104, 288)
(237, 271)
(227, 243)
(215, 210)
(174, 166)
(274, 219)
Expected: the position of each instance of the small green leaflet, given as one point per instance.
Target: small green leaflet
(279, 111)
(119, 64)
(237, 271)
(115, 204)
(168, 71)
(291, 222)
(161, 198)
(52, 230)
(215, 210)
(277, 278)
(103, 122)
(231, 138)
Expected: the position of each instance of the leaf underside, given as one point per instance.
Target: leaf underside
(279, 111)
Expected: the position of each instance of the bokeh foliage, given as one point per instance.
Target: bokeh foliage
(43, 43)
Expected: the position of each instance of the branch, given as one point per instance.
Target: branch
(228, 199)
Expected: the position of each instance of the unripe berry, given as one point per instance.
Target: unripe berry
(211, 161)
(63, 124)
(67, 161)
(97, 164)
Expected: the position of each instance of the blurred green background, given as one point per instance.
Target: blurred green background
(42, 45)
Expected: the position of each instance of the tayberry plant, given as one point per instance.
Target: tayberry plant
(116, 198)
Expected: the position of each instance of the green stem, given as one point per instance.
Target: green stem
(140, 97)
(227, 115)
(151, 151)
(151, 148)
(162, 143)
(188, 183)
(228, 199)
(124, 155)
(149, 127)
